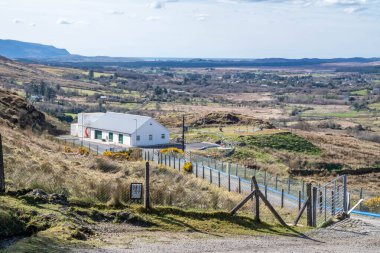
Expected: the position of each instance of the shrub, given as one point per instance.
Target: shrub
(188, 167)
(172, 151)
(83, 151)
(106, 165)
(68, 150)
(121, 155)
(373, 204)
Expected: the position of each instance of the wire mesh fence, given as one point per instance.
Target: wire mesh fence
(330, 199)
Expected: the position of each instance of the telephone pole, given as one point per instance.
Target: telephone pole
(183, 132)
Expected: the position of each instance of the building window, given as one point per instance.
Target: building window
(110, 136)
(150, 137)
(137, 137)
(162, 136)
(98, 135)
(120, 138)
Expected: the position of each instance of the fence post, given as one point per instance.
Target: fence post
(325, 195)
(282, 198)
(320, 202)
(265, 179)
(309, 206)
(314, 214)
(288, 185)
(245, 172)
(210, 176)
(229, 182)
(145, 155)
(2, 175)
(361, 196)
(97, 149)
(203, 172)
(239, 185)
(237, 169)
(276, 182)
(174, 161)
(345, 204)
(196, 170)
(146, 194)
(332, 203)
(148, 156)
(219, 178)
(299, 200)
(266, 191)
(303, 189)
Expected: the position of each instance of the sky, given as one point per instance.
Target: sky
(198, 29)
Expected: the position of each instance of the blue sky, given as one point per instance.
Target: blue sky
(209, 28)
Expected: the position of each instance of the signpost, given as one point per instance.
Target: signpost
(135, 191)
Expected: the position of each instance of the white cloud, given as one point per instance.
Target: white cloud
(32, 24)
(114, 12)
(17, 21)
(351, 10)
(201, 17)
(152, 18)
(63, 21)
(156, 5)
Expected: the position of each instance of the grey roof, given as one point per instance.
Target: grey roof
(119, 122)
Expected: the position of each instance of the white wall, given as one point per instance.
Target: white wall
(154, 128)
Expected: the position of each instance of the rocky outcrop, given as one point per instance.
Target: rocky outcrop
(15, 111)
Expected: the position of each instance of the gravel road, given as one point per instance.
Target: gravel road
(348, 236)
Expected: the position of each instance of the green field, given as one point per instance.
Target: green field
(363, 92)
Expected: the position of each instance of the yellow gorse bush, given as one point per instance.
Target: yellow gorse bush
(172, 151)
(373, 204)
(188, 167)
(68, 150)
(121, 155)
(83, 151)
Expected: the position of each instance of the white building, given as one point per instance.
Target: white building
(119, 128)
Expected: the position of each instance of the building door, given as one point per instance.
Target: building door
(110, 136)
(120, 138)
(98, 134)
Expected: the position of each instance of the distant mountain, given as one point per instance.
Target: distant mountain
(17, 49)
(38, 53)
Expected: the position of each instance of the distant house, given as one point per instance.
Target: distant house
(119, 128)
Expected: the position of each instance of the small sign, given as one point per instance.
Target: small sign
(136, 191)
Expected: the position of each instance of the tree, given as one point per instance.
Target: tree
(91, 75)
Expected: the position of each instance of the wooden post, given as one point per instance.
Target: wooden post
(320, 202)
(245, 172)
(315, 196)
(210, 176)
(165, 161)
(174, 162)
(299, 200)
(203, 172)
(325, 195)
(147, 190)
(257, 199)
(170, 161)
(282, 198)
(300, 212)
(219, 178)
(145, 155)
(309, 206)
(237, 169)
(148, 156)
(2, 174)
(97, 149)
(229, 182)
(303, 189)
(239, 189)
(183, 132)
(196, 170)
(288, 185)
(266, 191)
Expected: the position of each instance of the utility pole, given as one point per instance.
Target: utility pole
(183, 133)
(2, 176)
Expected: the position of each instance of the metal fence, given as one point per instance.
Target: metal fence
(330, 199)
(235, 178)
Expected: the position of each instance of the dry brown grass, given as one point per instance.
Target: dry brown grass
(33, 161)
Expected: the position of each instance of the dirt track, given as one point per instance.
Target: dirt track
(348, 236)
